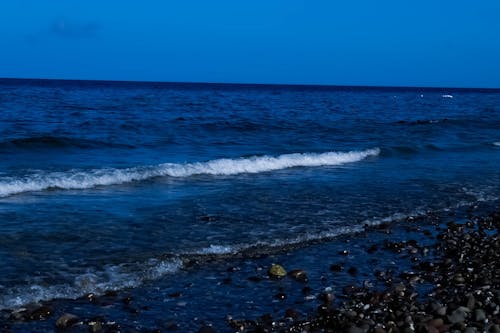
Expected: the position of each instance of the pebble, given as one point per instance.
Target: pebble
(299, 275)
(207, 329)
(479, 315)
(352, 270)
(441, 311)
(457, 316)
(356, 329)
(66, 320)
(336, 268)
(95, 326)
(276, 271)
(494, 329)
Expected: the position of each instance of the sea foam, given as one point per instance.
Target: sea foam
(111, 277)
(83, 179)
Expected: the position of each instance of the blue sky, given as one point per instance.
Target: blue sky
(355, 42)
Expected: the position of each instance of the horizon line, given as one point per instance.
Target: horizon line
(312, 85)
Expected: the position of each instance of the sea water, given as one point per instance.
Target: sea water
(118, 185)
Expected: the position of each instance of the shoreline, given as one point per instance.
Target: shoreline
(442, 274)
(464, 272)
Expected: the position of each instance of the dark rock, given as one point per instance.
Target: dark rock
(208, 218)
(436, 323)
(379, 330)
(326, 297)
(32, 312)
(291, 313)
(66, 320)
(171, 326)
(255, 278)
(352, 270)
(356, 329)
(471, 302)
(95, 326)
(441, 311)
(494, 329)
(111, 293)
(458, 316)
(92, 298)
(372, 249)
(336, 268)
(127, 300)
(479, 315)
(306, 290)
(206, 329)
(299, 275)
(458, 278)
(41, 313)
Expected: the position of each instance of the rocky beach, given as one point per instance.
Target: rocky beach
(440, 273)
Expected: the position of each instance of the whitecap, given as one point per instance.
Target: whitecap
(83, 179)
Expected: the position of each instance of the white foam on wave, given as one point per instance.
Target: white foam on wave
(77, 179)
(496, 144)
(217, 249)
(112, 277)
(447, 96)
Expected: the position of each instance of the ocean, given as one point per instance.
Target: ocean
(151, 188)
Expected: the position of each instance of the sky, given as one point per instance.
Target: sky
(436, 43)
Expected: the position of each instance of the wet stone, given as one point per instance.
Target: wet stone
(494, 329)
(95, 326)
(291, 313)
(353, 271)
(336, 268)
(356, 329)
(276, 271)
(457, 316)
(254, 278)
(299, 275)
(66, 320)
(32, 312)
(479, 315)
(326, 297)
(207, 329)
(470, 330)
(471, 302)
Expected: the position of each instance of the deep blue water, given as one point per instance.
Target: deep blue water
(115, 185)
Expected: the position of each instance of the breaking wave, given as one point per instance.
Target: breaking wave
(78, 179)
(112, 277)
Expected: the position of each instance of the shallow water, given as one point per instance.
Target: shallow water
(107, 186)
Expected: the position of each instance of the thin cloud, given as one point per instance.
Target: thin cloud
(67, 29)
